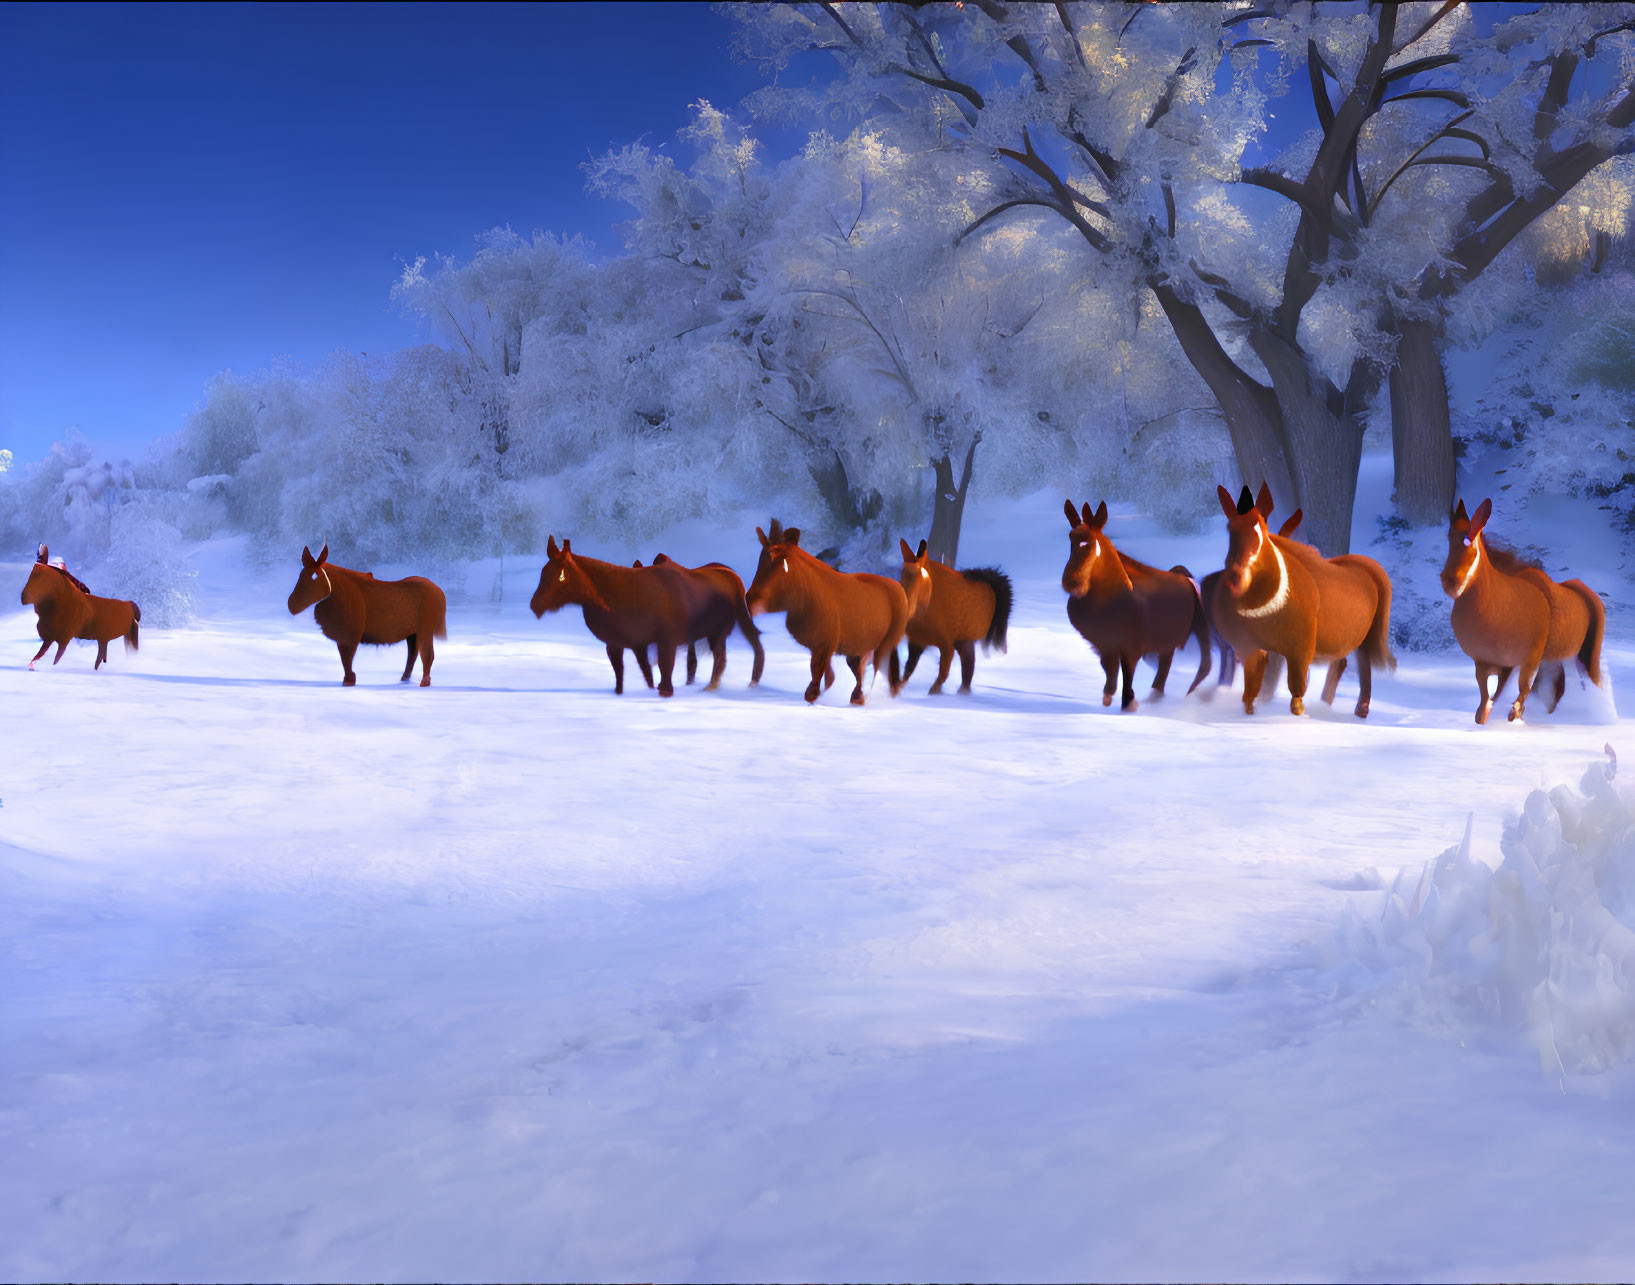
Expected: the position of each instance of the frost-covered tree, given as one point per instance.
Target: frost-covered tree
(1132, 125)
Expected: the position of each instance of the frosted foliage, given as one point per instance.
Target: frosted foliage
(1544, 945)
(146, 563)
(1174, 464)
(1561, 409)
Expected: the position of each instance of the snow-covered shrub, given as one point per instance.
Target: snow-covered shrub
(1421, 613)
(1544, 945)
(1174, 465)
(147, 564)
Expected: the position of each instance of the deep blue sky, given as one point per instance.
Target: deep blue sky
(194, 188)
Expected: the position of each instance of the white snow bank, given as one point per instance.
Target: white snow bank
(1544, 944)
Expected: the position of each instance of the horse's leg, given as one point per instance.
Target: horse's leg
(1559, 688)
(1332, 683)
(1109, 666)
(347, 650)
(61, 647)
(1365, 683)
(1524, 683)
(615, 656)
(44, 647)
(821, 669)
(667, 667)
(945, 661)
(718, 648)
(692, 663)
(1127, 662)
(1164, 662)
(1229, 666)
(643, 663)
(102, 653)
(1254, 672)
(426, 657)
(915, 651)
(414, 651)
(1299, 675)
(967, 665)
(855, 664)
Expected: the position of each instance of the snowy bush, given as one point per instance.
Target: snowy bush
(147, 564)
(1544, 945)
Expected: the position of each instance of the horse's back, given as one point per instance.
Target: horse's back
(871, 610)
(394, 609)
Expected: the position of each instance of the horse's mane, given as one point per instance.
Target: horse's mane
(1133, 567)
(1505, 558)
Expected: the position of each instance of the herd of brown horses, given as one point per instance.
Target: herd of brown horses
(1276, 600)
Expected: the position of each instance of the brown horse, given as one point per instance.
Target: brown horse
(829, 612)
(67, 610)
(353, 607)
(726, 582)
(1285, 597)
(666, 606)
(951, 611)
(1508, 614)
(1210, 587)
(1126, 609)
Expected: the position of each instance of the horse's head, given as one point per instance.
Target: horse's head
(1464, 547)
(563, 582)
(916, 579)
(1248, 536)
(767, 592)
(1086, 547)
(313, 584)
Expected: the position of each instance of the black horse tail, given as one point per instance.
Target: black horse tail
(1003, 596)
(130, 634)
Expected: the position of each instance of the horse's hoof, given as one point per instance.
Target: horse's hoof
(31, 666)
(857, 697)
(1362, 709)
(1515, 711)
(351, 680)
(936, 690)
(1130, 707)
(425, 682)
(965, 690)
(712, 687)
(667, 690)
(812, 693)
(1482, 712)
(1296, 705)
(1106, 700)
(1248, 707)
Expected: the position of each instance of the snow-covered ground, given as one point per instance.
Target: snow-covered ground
(513, 979)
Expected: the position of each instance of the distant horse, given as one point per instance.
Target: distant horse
(1508, 614)
(1210, 586)
(1126, 609)
(67, 609)
(666, 606)
(1285, 597)
(829, 612)
(951, 611)
(353, 607)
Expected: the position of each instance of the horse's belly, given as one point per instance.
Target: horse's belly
(1497, 636)
(1569, 622)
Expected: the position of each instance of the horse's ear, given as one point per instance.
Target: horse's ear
(1072, 513)
(908, 554)
(1246, 502)
(775, 532)
(306, 555)
(1478, 519)
(1101, 516)
(761, 536)
(924, 545)
(1459, 514)
(636, 564)
(1228, 504)
(323, 555)
(791, 535)
(1287, 529)
(1263, 500)
(44, 555)
(567, 545)
(551, 547)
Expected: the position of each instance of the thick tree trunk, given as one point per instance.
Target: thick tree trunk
(1421, 434)
(948, 508)
(1325, 444)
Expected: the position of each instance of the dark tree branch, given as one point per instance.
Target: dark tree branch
(1418, 65)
